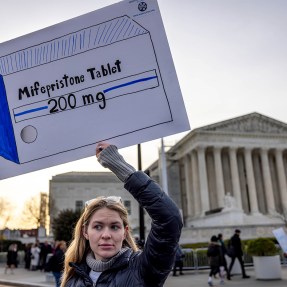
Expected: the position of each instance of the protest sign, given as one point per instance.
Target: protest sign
(104, 76)
(281, 237)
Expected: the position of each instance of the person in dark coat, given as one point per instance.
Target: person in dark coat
(223, 262)
(56, 262)
(46, 249)
(27, 257)
(213, 254)
(103, 252)
(178, 261)
(235, 245)
(12, 258)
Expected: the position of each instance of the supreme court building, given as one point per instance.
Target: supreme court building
(227, 175)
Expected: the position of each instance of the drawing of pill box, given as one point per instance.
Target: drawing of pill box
(59, 95)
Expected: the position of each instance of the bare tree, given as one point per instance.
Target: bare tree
(5, 208)
(31, 213)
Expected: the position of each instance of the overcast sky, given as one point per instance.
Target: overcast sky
(230, 57)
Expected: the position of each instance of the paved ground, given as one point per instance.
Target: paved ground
(24, 278)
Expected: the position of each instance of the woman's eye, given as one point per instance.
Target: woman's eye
(98, 227)
(115, 227)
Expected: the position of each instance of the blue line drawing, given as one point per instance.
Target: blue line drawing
(32, 111)
(129, 83)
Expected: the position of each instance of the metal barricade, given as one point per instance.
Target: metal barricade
(195, 259)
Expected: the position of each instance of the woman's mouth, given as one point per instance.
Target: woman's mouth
(106, 246)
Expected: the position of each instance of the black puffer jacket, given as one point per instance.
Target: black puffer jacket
(150, 267)
(235, 242)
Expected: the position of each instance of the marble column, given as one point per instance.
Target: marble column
(195, 184)
(235, 177)
(203, 185)
(251, 181)
(267, 182)
(281, 177)
(219, 177)
(188, 186)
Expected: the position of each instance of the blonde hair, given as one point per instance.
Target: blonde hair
(80, 247)
(61, 245)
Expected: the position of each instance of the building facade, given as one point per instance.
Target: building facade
(230, 174)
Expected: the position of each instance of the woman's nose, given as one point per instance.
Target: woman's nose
(106, 233)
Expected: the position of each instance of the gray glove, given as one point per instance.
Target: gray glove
(111, 159)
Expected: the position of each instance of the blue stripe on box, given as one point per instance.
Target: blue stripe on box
(8, 148)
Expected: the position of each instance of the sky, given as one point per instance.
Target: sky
(230, 58)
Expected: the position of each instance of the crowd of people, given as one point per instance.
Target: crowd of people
(36, 255)
(46, 257)
(217, 253)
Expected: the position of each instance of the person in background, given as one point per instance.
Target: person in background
(46, 249)
(103, 252)
(27, 256)
(12, 257)
(223, 252)
(56, 262)
(235, 243)
(178, 262)
(213, 254)
(35, 255)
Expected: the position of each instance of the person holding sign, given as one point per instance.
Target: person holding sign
(103, 251)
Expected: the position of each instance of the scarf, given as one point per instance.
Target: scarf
(100, 266)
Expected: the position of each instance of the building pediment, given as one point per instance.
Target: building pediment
(251, 123)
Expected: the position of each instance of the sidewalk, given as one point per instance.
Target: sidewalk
(24, 278)
(199, 279)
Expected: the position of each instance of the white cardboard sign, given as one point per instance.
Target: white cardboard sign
(281, 237)
(106, 75)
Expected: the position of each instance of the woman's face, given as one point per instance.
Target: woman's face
(105, 233)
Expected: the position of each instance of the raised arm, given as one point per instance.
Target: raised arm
(158, 255)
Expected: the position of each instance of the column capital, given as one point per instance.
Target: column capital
(187, 156)
(279, 150)
(200, 148)
(248, 148)
(217, 148)
(264, 149)
(233, 148)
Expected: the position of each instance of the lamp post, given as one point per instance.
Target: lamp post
(163, 168)
(141, 210)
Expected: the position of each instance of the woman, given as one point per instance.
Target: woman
(223, 252)
(214, 254)
(103, 252)
(12, 256)
(35, 255)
